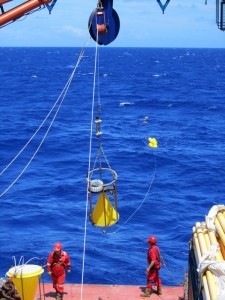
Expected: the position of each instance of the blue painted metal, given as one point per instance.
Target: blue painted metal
(50, 6)
(163, 6)
(104, 14)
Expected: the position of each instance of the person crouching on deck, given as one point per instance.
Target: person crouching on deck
(152, 271)
(58, 261)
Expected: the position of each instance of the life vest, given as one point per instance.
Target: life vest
(57, 263)
(153, 255)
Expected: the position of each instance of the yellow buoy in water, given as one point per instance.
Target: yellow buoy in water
(152, 143)
(25, 279)
(104, 214)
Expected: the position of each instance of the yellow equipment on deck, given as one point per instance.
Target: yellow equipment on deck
(26, 279)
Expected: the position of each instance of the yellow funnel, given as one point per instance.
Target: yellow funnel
(104, 214)
(25, 279)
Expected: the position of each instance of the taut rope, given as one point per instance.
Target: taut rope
(89, 167)
(58, 102)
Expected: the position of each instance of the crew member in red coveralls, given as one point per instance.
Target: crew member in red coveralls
(152, 271)
(58, 261)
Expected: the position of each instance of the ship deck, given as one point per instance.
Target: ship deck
(107, 292)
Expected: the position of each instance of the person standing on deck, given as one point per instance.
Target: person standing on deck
(58, 261)
(152, 271)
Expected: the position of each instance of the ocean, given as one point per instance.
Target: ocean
(176, 96)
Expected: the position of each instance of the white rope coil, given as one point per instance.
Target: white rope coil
(96, 185)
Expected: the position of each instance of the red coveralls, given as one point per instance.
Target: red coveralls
(57, 265)
(153, 274)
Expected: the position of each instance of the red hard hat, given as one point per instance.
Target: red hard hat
(57, 246)
(152, 240)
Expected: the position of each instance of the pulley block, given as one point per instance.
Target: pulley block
(104, 23)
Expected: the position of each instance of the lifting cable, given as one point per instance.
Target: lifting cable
(89, 165)
(98, 120)
(58, 102)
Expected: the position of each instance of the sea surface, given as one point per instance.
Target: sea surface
(174, 95)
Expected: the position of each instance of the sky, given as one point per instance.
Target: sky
(185, 23)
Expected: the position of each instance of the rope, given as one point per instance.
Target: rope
(89, 168)
(62, 95)
(169, 271)
(140, 205)
(18, 268)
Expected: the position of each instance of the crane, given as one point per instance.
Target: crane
(103, 23)
(23, 9)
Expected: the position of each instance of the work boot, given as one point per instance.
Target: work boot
(159, 290)
(58, 296)
(147, 293)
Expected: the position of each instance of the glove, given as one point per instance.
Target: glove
(69, 271)
(50, 273)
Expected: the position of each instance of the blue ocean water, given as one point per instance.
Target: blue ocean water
(174, 95)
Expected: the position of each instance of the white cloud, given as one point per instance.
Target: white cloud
(75, 31)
